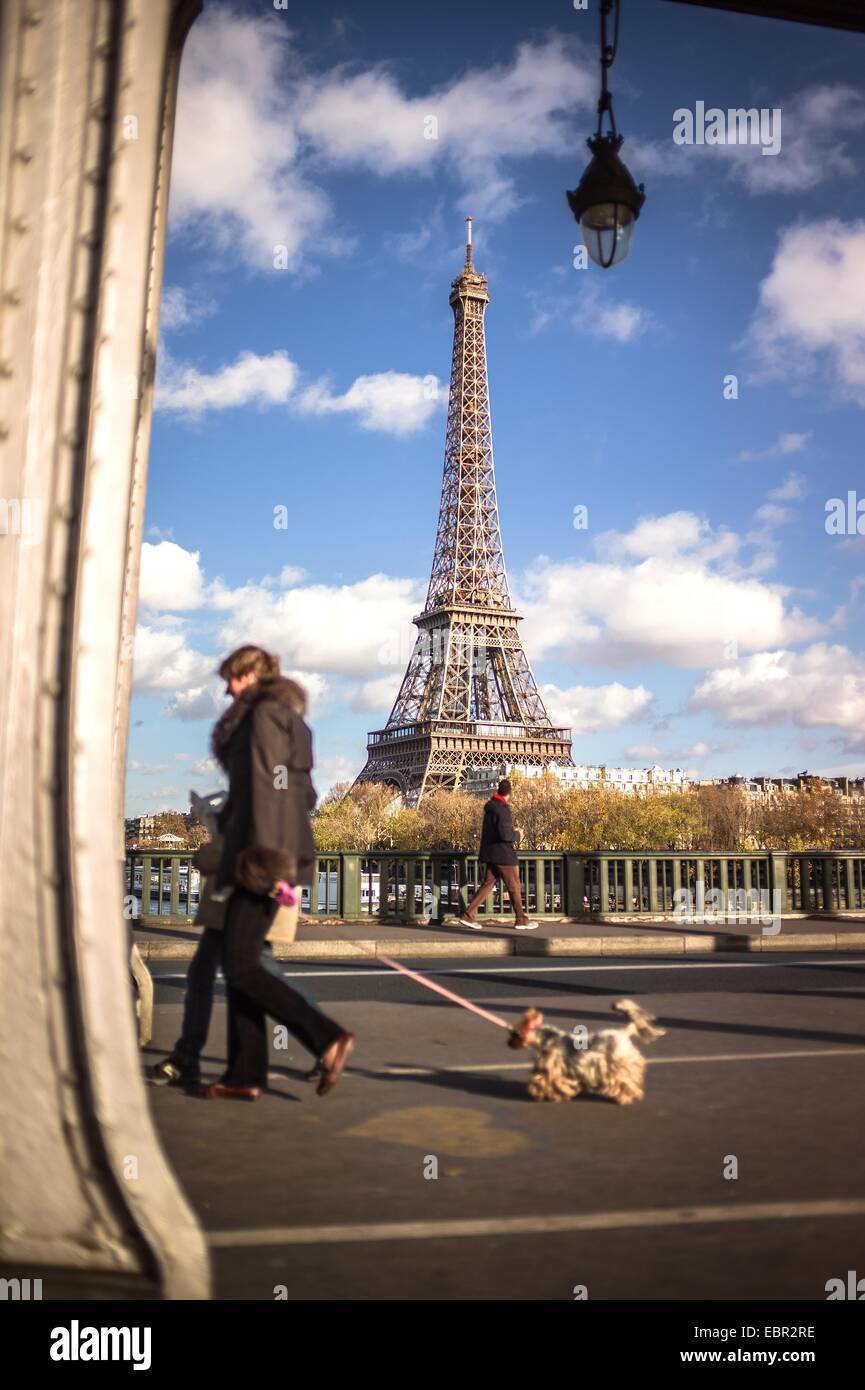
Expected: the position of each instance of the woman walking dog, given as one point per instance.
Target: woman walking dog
(265, 746)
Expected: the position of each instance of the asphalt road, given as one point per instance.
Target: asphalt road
(763, 1063)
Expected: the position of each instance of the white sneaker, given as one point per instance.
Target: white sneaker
(526, 926)
(467, 922)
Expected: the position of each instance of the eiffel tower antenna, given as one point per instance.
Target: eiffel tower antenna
(468, 700)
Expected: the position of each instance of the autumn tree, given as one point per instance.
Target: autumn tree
(809, 818)
(335, 793)
(538, 808)
(721, 818)
(359, 821)
(597, 818)
(449, 820)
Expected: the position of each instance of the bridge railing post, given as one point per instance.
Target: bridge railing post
(174, 886)
(146, 886)
(350, 905)
(653, 882)
(574, 884)
(830, 887)
(778, 881)
(850, 891)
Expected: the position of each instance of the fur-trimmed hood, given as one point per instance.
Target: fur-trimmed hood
(279, 688)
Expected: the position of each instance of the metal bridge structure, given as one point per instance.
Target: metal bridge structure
(87, 102)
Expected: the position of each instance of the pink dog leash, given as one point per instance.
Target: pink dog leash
(288, 896)
(438, 989)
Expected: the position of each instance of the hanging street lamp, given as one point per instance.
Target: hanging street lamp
(606, 201)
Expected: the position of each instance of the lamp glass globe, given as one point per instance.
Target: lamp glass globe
(607, 229)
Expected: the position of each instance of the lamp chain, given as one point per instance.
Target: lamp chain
(608, 57)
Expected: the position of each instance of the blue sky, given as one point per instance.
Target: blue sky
(704, 618)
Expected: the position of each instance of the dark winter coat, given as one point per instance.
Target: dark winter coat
(498, 837)
(265, 746)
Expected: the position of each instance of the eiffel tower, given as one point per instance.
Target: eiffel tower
(468, 700)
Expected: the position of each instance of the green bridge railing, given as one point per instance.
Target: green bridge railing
(435, 886)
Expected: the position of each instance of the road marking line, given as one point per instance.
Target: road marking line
(572, 969)
(556, 969)
(650, 1061)
(535, 1225)
(761, 1056)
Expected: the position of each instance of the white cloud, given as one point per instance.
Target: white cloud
(376, 696)
(180, 309)
(589, 709)
(336, 769)
(484, 117)
(785, 444)
(350, 629)
(812, 151)
(606, 318)
(198, 701)
(171, 577)
(674, 534)
(647, 751)
(695, 750)
(315, 685)
(540, 319)
(811, 308)
(794, 486)
(207, 767)
(592, 311)
(235, 177)
(772, 515)
(822, 687)
(250, 380)
(684, 600)
(315, 629)
(291, 574)
(163, 662)
(254, 132)
(407, 246)
(394, 402)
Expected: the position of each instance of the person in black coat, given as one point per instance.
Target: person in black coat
(499, 856)
(265, 746)
(182, 1066)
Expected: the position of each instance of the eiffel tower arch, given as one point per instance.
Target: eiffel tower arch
(468, 700)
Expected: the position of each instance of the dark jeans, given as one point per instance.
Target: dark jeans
(198, 1005)
(254, 992)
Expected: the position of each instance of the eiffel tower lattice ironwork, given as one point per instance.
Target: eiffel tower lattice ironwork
(468, 700)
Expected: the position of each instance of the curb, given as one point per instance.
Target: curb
(708, 944)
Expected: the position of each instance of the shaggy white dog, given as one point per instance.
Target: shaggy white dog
(605, 1063)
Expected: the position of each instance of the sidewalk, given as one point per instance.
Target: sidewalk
(331, 939)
